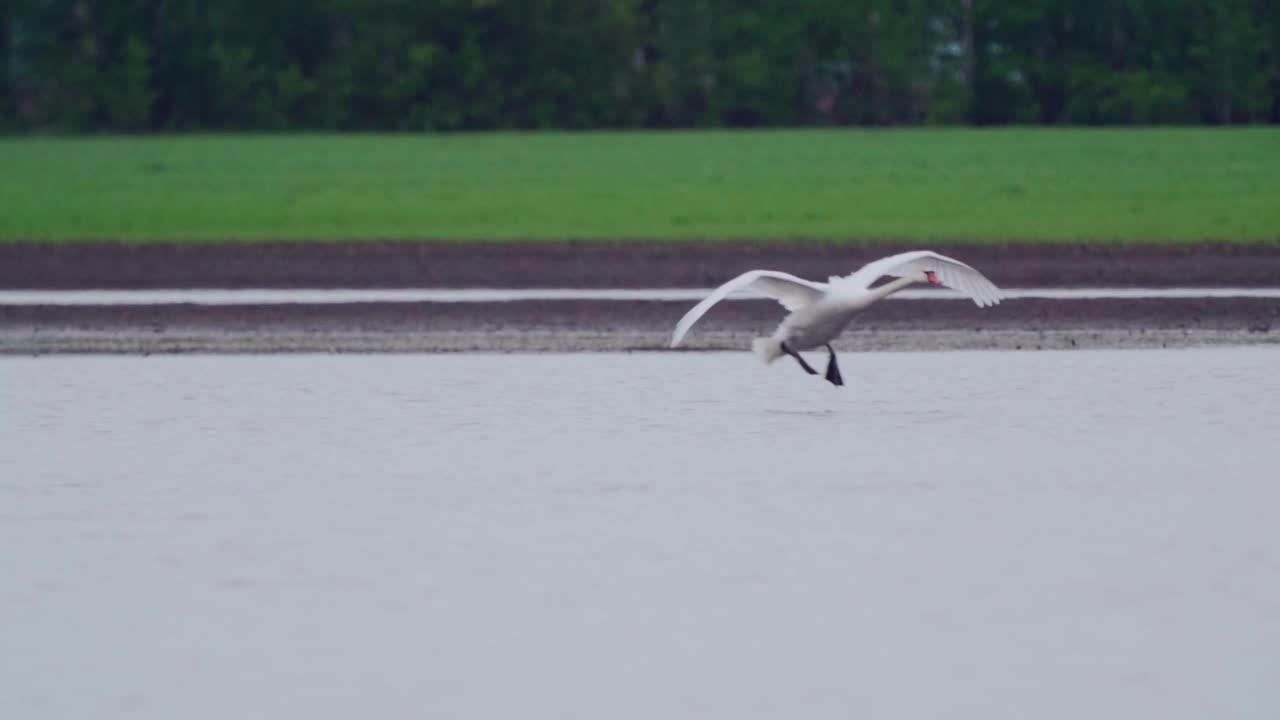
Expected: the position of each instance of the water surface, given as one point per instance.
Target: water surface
(960, 535)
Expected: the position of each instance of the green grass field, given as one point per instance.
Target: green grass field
(985, 185)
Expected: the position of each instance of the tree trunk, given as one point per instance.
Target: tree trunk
(6, 80)
(967, 32)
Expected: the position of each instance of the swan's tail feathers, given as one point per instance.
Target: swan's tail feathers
(769, 349)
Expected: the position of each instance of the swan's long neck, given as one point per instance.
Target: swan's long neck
(877, 294)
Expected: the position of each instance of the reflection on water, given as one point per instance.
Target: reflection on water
(654, 535)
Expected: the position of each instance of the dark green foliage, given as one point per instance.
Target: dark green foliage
(137, 65)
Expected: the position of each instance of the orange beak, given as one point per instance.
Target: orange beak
(933, 278)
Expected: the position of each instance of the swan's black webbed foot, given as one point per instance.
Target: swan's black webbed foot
(787, 349)
(833, 370)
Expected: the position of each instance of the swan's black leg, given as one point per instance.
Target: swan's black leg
(833, 370)
(787, 349)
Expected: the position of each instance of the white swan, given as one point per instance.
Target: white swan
(819, 312)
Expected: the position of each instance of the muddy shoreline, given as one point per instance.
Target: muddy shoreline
(572, 326)
(585, 325)
(1260, 315)
(603, 263)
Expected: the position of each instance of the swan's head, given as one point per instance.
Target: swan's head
(927, 276)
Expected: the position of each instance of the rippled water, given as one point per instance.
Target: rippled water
(977, 535)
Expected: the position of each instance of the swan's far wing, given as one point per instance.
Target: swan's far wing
(953, 274)
(791, 291)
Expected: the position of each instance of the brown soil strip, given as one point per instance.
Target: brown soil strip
(1234, 314)
(613, 264)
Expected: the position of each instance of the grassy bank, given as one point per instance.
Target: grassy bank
(1165, 185)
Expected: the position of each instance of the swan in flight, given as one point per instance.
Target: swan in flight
(819, 312)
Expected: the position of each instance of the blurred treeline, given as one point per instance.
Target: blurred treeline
(135, 65)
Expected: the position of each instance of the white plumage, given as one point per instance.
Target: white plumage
(819, 312)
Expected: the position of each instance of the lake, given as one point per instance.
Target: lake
(649, 535)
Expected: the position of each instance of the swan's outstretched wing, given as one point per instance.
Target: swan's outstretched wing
(793, 292)
(953, 274)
